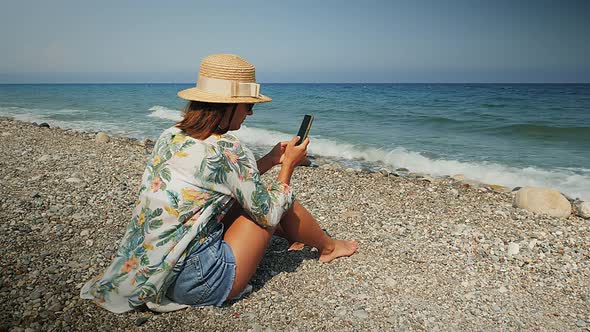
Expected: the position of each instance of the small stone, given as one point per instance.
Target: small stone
(532, 244)
(139, 321)
(502, 289)
(458, 177)
(501, 213)
(44, 125)
(44, 157)
(454, 192)
(148, 143)
(470, 295)
(255, 328)
(35, 295)
(361, 314)
(89, 242)
(248, 316)
(513, 249)
(350, 214)
(427, 178)
(472, 183)
(35, 195)
(391, 283)
(499, 188)
(582, 209)
(102, 137)
(85, 232)
(581, 323)
(55, 307)
(73, 180)
(340, 311)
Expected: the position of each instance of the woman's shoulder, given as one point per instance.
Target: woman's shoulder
(231, 143)
(167, 133)
(226, 140)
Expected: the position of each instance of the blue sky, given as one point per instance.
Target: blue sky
(297, 41)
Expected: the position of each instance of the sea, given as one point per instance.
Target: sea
(505, 134)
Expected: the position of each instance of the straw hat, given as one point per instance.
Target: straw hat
(225, 78)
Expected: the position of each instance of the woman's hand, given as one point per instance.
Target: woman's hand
(294, 154)
(271, 159)
(276, 155)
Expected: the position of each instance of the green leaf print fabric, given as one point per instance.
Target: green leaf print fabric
(188, 186)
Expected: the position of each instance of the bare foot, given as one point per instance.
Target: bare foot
(295, 246)
(341, 248)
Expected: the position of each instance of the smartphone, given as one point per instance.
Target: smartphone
(304, 128)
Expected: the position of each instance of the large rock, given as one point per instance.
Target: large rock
(583, 209)
(102, 137)
(543, 200)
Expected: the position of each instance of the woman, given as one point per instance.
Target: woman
(204, 218)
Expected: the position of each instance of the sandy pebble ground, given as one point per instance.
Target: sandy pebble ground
(434, 254)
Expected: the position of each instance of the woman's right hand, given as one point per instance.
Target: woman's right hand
(295, 153)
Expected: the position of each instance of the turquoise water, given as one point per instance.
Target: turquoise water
(510, 134)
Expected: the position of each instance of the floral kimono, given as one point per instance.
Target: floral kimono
(187, 187)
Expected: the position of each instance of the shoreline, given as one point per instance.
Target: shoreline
(334, 163)
(434, 253)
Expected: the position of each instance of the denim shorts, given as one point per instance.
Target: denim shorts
(207, 275)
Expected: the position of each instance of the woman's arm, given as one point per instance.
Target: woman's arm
(232, 170)
(265, 163)
(272, 158)
(275, 157)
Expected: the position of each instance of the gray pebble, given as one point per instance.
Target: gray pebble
(248, 316)
(361, 314)
(139, 321)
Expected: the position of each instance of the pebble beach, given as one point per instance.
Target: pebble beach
(435, 253)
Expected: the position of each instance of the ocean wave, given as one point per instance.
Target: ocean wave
(439, 120)
(165, 113)
(492, 105)
(49, 116)
(543, 132)
(575, 183)
(46, 112)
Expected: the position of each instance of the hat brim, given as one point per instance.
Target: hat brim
(195, 94)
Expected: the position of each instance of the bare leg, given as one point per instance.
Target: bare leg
(300, 226)
(293, 245)
(248, 241)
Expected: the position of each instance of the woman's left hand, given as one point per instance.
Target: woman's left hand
(277, 153)
(275, 157)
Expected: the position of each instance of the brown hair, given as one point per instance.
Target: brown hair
(202, 119)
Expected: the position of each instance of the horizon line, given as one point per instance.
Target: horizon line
(192, 83)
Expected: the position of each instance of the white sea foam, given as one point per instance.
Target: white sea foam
(44, 115)
(165, 113)
(573, 183)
